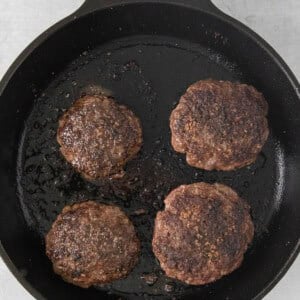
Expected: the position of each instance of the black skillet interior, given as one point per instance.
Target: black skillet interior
(146, 62)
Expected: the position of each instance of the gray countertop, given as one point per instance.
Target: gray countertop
(276, 21)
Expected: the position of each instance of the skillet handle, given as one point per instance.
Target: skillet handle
(93, 5)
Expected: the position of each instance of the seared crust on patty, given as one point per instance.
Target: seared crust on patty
(91, 243)
(98, 136)
(203, 233)
(220, 125)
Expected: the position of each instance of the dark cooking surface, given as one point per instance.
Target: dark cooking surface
(148, 74)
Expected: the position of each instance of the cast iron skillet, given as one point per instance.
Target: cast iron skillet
(146, 53)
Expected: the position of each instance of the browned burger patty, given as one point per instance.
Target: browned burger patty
(220, 125)
(203, 233)
(92, 244)
(98, 136)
